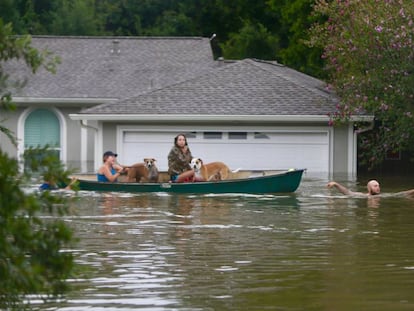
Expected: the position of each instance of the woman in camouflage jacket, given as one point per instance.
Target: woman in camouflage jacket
(179, 160)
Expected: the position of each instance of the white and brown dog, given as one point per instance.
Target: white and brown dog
(212, 171)
(143, 172)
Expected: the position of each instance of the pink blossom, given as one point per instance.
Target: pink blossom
(378, 28)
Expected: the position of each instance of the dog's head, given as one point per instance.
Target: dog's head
(149, 162)
(196, 164)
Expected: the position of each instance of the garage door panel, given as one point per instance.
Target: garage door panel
(136, 152)
(295, 138)
(266, 156)
(277, 151)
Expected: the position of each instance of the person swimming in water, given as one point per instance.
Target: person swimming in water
(373, 188)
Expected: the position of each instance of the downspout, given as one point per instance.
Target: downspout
(87, 126)
(366, 129)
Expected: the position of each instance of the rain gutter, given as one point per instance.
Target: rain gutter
(183, 118)
(59, 100)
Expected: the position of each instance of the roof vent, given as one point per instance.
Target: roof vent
(115, 47)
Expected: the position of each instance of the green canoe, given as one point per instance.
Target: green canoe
(283, 182)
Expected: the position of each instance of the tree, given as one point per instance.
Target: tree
(369, 50)
(252, 41)
(31, 257)
(73, 17)
(9, 9)
(294, 19)
(173, 24)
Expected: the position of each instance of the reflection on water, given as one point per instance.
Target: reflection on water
(312, 250)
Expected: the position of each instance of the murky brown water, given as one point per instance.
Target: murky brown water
(312, 250)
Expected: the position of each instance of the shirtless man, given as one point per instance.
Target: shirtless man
(373, 188)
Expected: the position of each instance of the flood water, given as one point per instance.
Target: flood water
(312, 250)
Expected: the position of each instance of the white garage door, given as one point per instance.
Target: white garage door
(244, 150)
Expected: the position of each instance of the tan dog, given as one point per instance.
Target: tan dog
(143, 172)
(212, 171)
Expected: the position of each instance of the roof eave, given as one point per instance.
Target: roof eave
(192, 118)
(58, 100)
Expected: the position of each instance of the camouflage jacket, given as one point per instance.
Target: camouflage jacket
(178, 161)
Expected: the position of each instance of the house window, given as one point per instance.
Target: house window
(191, 134)
(213, 135)
(42, 128)
(237, 135)
(260, 135)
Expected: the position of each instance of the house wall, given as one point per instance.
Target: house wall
(83, 154)
(343, 151)
(340, 147)
(9, 121)
(80, 143)
(109, 138)
(88, 145)
(77, 143)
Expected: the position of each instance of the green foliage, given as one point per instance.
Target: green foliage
(19, 47)
(368, 46)
(73, 17)
(252, 41)
(31, 257)
(295, 19)
(44, 162)
(172, 23)
(10, 13)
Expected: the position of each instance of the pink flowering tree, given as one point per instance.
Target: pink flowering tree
(369, 53)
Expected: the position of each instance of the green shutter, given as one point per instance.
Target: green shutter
(42, 128)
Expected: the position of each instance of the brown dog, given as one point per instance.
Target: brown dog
(212, 171)
(143, 172)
